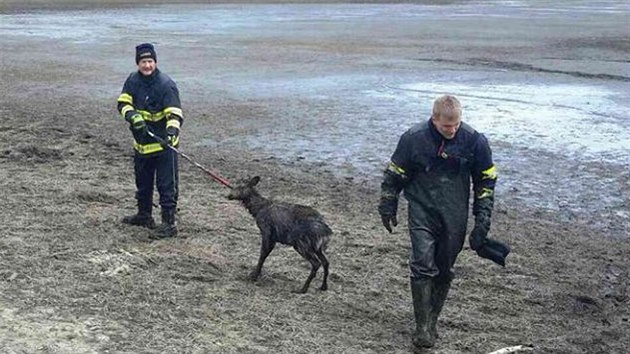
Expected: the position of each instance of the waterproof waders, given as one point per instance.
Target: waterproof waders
(421, 293)
(438, 297)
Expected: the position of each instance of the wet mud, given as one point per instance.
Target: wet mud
(73, 279)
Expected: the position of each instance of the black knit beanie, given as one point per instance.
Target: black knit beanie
(145, 50)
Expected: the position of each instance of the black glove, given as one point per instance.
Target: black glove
(171, 135)
(387, 208)
(479, 233)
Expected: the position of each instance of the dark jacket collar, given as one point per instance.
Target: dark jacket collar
(435, 135)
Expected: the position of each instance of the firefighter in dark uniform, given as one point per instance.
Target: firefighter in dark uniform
(434, 164)
(150, 102)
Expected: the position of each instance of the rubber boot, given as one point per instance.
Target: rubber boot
(142, 218)
(438, 297)
(421, 294)
(167, 228)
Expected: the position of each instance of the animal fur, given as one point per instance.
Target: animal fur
(296, 225)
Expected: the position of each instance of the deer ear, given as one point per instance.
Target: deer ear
(254, 181)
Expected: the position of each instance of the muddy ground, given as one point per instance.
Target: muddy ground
(73, 279)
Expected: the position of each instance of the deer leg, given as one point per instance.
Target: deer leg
(324, 261)
(265, 248)
(314, 267)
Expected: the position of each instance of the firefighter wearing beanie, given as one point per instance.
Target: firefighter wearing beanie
(150, 102)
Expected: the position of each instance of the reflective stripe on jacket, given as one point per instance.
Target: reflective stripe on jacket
(156, 98)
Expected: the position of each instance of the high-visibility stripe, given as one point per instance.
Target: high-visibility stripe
(490, 173)
(147, 148)
(387, 195)
(154, 117)
(485, 193)
(125, 98)
(396, 169)
(125, 109)
(174, 110)
(174, 122)
(152, 147)
(136, 118)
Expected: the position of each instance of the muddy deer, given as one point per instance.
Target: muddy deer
(291, 224)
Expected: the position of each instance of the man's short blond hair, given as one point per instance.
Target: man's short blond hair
(447, 106)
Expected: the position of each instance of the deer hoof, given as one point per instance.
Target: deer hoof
(253, 276)
(324, 287)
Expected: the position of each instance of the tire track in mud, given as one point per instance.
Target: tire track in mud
(515, 66)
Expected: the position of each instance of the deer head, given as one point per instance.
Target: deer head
(243, 189)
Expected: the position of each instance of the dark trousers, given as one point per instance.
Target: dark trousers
(159, 169)
(433, 253)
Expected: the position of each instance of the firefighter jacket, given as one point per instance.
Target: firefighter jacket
(436, 174)
(156, 98)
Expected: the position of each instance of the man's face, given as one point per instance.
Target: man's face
(447, 126)
(147, 66)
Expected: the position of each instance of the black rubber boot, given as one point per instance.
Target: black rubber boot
(167, 228)
(142, 218)
(438, 297)
(421, 293)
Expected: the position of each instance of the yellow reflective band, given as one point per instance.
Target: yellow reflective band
(125, 98)
(173, 122)
(125, 109)
(386, 195)
(147, 148)
(174, 110)
(175, 141)
(136, 118)
(485, 193)
(396, 169)
(152, 117)
(490, 173)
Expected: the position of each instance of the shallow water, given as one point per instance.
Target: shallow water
(341, 82)
(192, 20)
